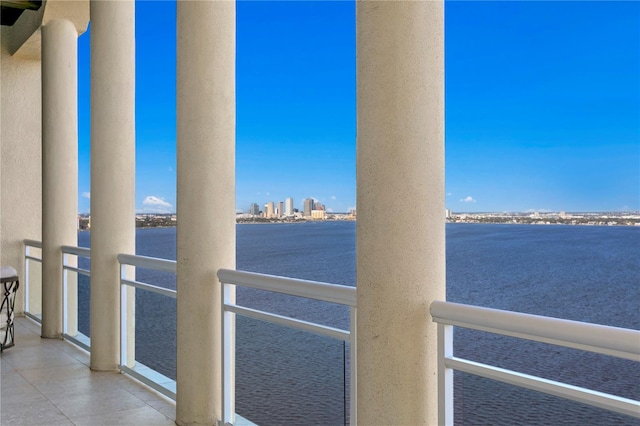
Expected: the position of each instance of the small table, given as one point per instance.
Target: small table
(9, 284)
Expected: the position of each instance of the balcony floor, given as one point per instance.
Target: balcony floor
(45, 381)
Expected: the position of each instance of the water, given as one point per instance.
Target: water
(581, 273)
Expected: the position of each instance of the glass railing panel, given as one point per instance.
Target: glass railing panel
(155, 332)
(480, 401)
(287, 376)
(84, 306)
(315, 311)
(589, 370)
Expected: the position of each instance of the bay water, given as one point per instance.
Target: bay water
(284, 376)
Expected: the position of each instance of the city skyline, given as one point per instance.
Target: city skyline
(542, 99)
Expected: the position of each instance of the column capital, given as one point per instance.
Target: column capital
(24, 36)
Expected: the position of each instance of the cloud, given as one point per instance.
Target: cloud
(538, 211)
(156, 205)
(86, 195)
(170, 169)
(468, 199)
(333, 197)
(449, 194)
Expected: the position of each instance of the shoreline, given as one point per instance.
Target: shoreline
(630, 224)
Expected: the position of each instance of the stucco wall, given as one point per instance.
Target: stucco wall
(20, 157)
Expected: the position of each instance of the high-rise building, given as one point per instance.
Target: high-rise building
(254, 210)
(308, 206)
(288, 209)
(269, 210)
(280, 208)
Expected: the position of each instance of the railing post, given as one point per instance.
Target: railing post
(127, 318)
(27, 253)
(65, 294)
(353, 367)
(70, 296)
(445, 375)
(123, 319)
(228, 355)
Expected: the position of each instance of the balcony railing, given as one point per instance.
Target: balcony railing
(128, 363)
(331, 293)
(70, 302)
(33, 279)
(613, 341)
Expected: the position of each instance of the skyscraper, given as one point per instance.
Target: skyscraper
(269, 210)
(254, 210)
(288, 211)
(308, 206)
(280, 209)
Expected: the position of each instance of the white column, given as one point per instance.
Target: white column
(400, 163)
(206, 198)
(112, 169)
(59, 163)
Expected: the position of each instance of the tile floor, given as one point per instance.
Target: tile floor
(48, 382)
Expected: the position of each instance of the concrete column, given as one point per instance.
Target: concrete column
(400, 164)
(206, 198)
(112, 169)
(59, 163)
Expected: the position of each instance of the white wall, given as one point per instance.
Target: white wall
(20, 156)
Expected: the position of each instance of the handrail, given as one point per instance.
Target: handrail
(333, 293)
(614, 341)
(77, 251)
(150, 287)
(163, 265)
(32, 243)
(141, 372)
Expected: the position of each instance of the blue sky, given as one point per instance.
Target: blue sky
(542, 105)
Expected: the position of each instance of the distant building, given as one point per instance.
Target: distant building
(254, 210)
(308, 207)
(269, 210)
(280, 209)
(288, 210)
(318, 214)
(447, 213)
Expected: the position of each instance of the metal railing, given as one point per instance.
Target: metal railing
(152, 378)
(332, 293)
(613, 341)
(29, 256)
(70, 255)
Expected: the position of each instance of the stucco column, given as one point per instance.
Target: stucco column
(59, 163)
(112, 169)
(400, 199)
(206, 198)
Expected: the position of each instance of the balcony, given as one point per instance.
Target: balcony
(51, 391)
(395, 374)
(46, 381)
